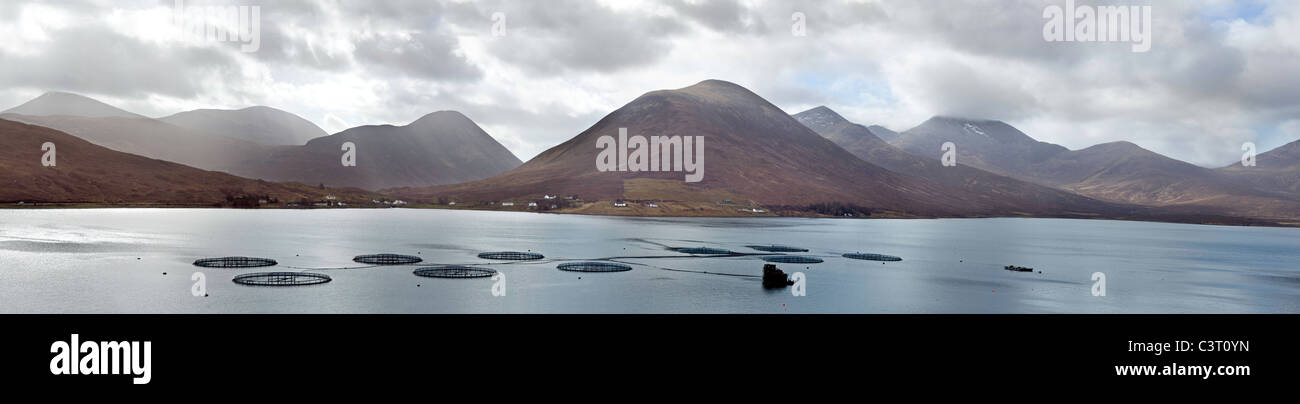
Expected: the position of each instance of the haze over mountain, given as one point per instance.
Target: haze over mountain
(440, 148)
(60, 103)
(86, 173)
(1014, 195)
(152, 138)
(257, 124)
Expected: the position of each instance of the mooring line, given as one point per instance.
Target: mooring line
(687, 270)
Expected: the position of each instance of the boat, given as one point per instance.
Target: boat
(775, 278)
(1018, 269)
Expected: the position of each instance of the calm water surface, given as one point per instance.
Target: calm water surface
(114, 260)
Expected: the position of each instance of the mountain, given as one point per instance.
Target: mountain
(883, 133)
(1117, 172)
(992, 189)
(258, 124)
(753, 153)
(58, 103)
(985, 144)
(439, 148)
(1276, 170)
(1124, 171)
(86, 173)
(1127, 173)
(154, 139)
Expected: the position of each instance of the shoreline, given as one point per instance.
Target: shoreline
(1187, 219)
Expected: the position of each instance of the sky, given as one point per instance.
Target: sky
(536, 73)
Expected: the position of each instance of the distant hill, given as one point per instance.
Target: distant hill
(998, 192)
(1125, 172)
(59, 103)
(1120, 172)
(86, 173)
(1276, 171)
(258, 124)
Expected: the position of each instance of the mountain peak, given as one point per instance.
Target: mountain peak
(1121, 146)
(715, 84)
(258, 124)
(443, 118)
(820, 119)
(63, 103)
(716, 91)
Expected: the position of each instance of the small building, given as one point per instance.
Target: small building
(652, 205)
(399, 202)
(330, 197)
(452, 203)
(548, 196)
(507, 204)
(532, 204)
(620, 204)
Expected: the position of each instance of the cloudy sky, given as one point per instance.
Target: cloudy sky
(1218, 73)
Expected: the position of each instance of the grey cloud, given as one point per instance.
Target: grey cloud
(722, 15)
(94, 59)
(423, 55)
(559, 36)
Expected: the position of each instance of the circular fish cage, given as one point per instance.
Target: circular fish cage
(702, 250)
(454, 271)
(793, 259)
(511, 256)
(872, 257)
(281, 279)
(387, 259)
(777, 248)
(234, 262)
(594, 266)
